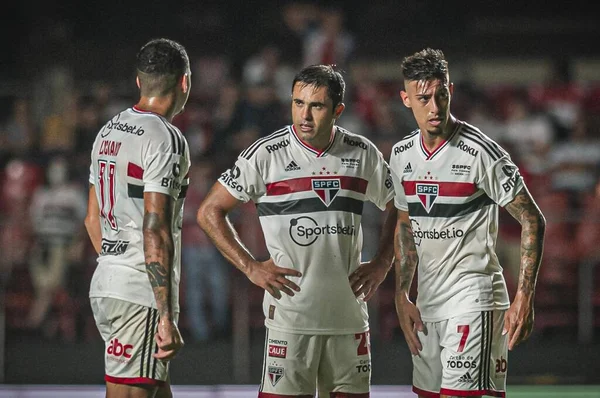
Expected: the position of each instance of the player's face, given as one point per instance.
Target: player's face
(313, 114)
(430, 104)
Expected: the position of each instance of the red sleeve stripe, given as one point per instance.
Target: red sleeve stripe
(135, 171)
(456, 189)
(304, 184)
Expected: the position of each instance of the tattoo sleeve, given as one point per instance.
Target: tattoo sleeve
(406, 258)
(533, 227)
(159, 251)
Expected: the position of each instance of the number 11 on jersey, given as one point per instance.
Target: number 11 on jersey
(106, 177)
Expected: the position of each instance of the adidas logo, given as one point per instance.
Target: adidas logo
(292, 166)
(408, 168)
(466, 378)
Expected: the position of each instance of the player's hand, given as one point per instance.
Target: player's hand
(410, 321)
(168, 339)
(367, 278)
(272, 278)
(518, 320)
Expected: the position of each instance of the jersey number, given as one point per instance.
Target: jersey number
(464, 329)
(363, 343)
(106, 177)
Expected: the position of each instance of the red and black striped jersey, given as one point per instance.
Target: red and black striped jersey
(135, 152)
(310, 205)
(452, 196)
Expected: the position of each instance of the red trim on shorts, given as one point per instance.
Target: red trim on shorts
(348, 395)
(447, 391)
(271, 395)
(133, 380)
(427, 394)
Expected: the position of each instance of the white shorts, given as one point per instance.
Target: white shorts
(128, 332)
(462, 356)
(297, 365)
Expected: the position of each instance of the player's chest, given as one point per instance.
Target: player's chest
(452, 166)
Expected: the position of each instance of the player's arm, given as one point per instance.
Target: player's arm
(92, 219)
(519, 318)
(158, 252)
(212, 218)
(385, 250)
(405, 264)
(367, 278)
(159, 249)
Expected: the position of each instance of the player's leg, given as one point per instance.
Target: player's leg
(427, 366)
(290, 365)
(164, 390)
(129, 391)
(128, 332)
(474, 355)
(345, 367)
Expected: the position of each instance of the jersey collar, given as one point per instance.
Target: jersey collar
(318, 153)
(429, 155)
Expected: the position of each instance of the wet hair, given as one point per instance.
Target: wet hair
(160, 64)
(323, 76)
(427, 64)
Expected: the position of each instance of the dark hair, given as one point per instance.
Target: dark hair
(323, 76)
(160, 64)
(427, 64)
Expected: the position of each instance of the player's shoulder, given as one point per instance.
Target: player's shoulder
(153, 130)
(356, 141)
(265, 147)
(472, 140)
(406, 143)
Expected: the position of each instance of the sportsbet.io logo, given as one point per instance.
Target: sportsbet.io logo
(305, 230)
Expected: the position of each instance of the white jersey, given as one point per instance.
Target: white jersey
(452, 196)
(309, 204)
(57, 213)
(135, 152)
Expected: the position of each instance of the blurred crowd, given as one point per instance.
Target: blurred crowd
(551, 129)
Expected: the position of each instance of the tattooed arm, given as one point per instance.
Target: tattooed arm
(405, 264)
(159, 251)
(518, 321)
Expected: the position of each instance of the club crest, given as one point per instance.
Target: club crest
(427, 194)
(326, 189)
(275, 374)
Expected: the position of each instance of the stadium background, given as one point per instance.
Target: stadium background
(527, 73)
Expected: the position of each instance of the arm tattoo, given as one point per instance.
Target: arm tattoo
(158, 275)
(533, 226)
(158, 251)
(406, 256)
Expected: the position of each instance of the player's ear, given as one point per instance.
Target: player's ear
(337, 112)
(185, 83)
(451, 88)
(137, 81)
(405, 98)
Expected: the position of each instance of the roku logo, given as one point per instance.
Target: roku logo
(117, 349)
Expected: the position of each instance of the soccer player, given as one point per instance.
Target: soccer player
(309, 181)
(449, 180)
(138, 180)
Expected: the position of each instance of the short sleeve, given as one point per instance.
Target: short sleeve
(380, 188)
(243, 181)
(502, 181)
(165, 165)
(399, 195)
